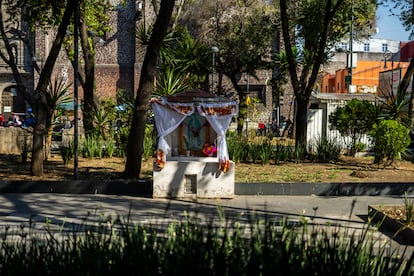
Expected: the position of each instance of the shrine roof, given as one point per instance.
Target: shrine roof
(195, 95)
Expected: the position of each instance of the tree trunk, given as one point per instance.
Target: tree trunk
(301, 125)
(41, 104)
(149, 67)
(89, 69)
(39, 133)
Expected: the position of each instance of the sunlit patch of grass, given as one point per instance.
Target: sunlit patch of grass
(302, 176)
(332, 176)
(255, 173)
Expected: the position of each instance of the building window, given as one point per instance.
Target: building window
(384, 47)
(15, 53)
(366, 47)
(344, 46)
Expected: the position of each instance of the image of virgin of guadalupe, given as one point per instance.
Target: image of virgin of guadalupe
(194, 133)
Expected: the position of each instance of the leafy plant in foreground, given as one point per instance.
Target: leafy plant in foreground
(239, 246)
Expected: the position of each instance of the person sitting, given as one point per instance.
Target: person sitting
(275, 127)
(10, 122)
(1, 120)
(29, 122)
(16, 120)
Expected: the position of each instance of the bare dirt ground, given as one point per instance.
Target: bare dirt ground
(360, 170)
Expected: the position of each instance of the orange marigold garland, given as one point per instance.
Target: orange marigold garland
(224, 165)
(159, 159)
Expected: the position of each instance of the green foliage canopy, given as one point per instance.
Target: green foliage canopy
(184, 62)
(38, 14)
(353, 120)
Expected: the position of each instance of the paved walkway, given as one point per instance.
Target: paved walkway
(75, 210)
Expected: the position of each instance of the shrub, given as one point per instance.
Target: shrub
(281, 153)
(121, 138)
(265, 151)
(327, 149)
(253, 152)
(25, 149)
(299, 153)
(67, 153)
(353, 120)
(109, 148)
(100, 144)
(237, 147)
(148, 146)
(87, 145)
(262, 149)
(360, 147)
(390, 139)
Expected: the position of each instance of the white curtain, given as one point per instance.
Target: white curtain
(167, 118)
(220, 122)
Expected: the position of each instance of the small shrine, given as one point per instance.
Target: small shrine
(192, 158)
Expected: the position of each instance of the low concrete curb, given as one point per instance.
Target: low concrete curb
(113, 187)
(144, 188)
(388, 224)
(325, 189)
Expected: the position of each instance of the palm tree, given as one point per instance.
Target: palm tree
(184, 62)
(170, 82)
(55, 96)
(395, 107)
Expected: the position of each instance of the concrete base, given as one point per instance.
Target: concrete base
(193, 177)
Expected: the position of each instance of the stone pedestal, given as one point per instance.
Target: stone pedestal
(193, 177)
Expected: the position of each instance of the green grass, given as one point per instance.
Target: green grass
(332, 176)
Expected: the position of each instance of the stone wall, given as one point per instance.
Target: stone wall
(13, 140)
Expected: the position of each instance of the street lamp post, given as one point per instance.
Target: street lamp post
(215, 50)
(351, 44)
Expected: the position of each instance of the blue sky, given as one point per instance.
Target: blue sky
(389, 26)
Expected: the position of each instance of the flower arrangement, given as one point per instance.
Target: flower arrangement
(159, 159)
(224, 165)
(209, 149)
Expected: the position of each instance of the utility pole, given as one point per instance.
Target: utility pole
(75, 91)
(215, 50)
(350, 46)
